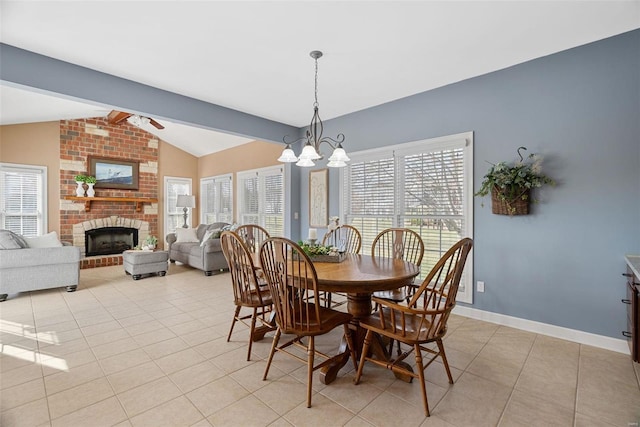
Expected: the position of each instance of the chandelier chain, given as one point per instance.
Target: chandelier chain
(315, 104)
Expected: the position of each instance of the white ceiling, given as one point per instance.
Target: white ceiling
(254, 56)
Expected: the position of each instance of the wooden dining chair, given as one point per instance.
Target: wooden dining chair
(291, 276)
(248, 291)
(347, 239)
(252, 235)
(398, 243)
(423, 320)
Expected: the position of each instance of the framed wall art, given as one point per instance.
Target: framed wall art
(114, 173)
(318, 198)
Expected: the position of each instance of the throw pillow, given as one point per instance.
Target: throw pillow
(11, 240)
(20, 240)
(230, 227)
(49, 240)
(186, 235)
(210, 234)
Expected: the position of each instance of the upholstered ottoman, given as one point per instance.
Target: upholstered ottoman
(137, 263)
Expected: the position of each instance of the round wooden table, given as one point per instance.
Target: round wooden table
(359, 276)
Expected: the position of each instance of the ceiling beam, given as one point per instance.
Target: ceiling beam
(42, 73)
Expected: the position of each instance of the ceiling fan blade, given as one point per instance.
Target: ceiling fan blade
(156, 124)
(115, 117)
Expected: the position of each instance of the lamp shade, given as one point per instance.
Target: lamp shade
(288, 156)
(186, 201)
(339, 155)
(308, 152)
(336, 164)
(305, 163)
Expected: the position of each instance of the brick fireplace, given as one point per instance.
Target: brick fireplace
(80, 139)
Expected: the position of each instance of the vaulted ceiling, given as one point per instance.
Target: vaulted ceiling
(253, 57)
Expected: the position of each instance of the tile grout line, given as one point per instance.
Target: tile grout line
(39, 356)
(513, 388)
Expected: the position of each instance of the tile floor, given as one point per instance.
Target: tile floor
(153, 352)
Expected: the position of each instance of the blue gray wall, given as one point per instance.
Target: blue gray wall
(580, 109)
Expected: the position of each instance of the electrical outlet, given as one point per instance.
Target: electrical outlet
(295, 215)
(480, 286)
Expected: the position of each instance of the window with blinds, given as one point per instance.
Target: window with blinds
(23, 199)
(173, 215)
(261, 199)
(426, 186)
(216, 199)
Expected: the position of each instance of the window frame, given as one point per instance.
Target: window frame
(178, 211)
(261, 174)
(43, 203)
(398, 152)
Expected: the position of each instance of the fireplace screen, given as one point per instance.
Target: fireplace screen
(110, 240)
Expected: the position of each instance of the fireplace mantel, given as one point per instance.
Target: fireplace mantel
(139, 201)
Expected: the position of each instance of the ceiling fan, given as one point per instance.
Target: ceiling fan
(116, 117)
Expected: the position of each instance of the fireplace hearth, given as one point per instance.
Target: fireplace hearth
(110, 240)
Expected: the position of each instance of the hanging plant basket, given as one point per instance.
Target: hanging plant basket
(514, 202)
(510, 185)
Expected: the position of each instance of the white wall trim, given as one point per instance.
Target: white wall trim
(581, 337)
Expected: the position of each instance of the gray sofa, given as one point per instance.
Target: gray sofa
(31, 269)
(207, 257)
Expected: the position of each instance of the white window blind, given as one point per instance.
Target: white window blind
(261, 199)
(433, 193)
(216, 199)
(274, 202)
(425, 186)
(370, 187)
(173, 215)
(23, 199)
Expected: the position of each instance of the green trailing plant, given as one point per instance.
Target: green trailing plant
(80, 178)
(90, 179)
(512, 182)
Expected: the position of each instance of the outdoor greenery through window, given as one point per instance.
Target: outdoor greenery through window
(261, 198)
(426, 186)
(216, 199)
(23, 204)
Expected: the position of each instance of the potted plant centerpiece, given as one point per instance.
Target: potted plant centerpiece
(321, 253)
(149, 243)
(510, 185)
(80, 180)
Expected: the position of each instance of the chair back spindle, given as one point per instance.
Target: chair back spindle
(248, 291)
(292, 279)
(241, 268)
(253, 236)
(421, 321)
(399, 243)
(346, 238)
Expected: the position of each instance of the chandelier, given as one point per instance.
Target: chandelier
(314, 138)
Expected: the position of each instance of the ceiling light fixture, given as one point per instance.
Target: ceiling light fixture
(311, 150)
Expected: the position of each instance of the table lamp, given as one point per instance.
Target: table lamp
(185, 202)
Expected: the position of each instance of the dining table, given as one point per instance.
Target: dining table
(359, 276)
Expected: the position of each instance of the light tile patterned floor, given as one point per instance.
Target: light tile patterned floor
(153, 352)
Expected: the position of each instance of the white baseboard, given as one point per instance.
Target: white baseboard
(608, 343)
